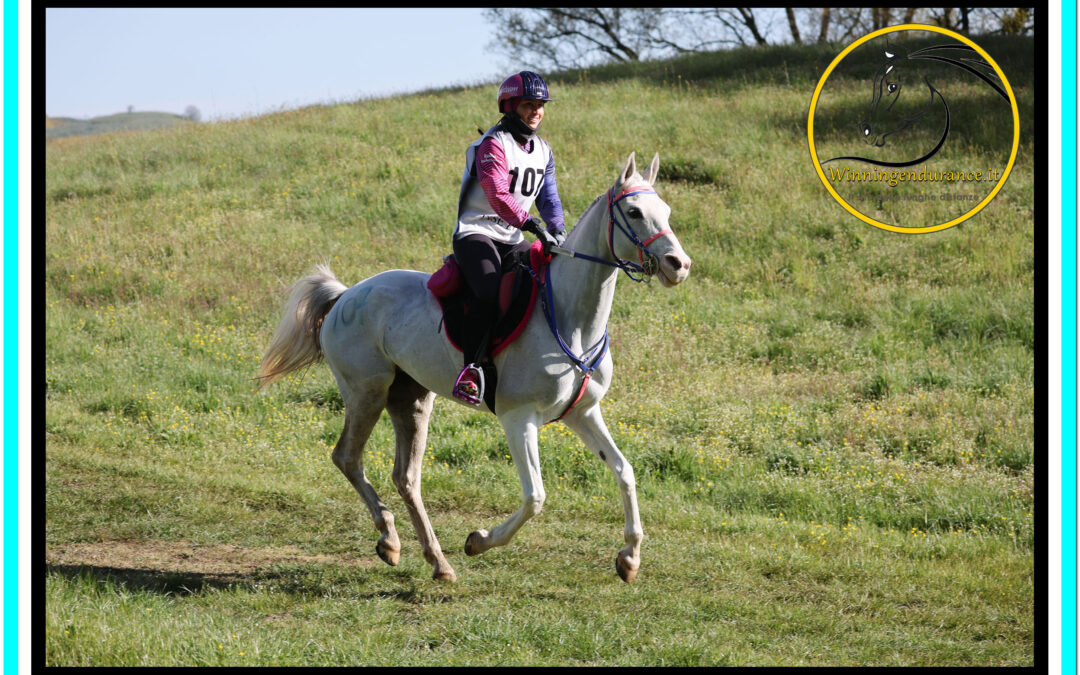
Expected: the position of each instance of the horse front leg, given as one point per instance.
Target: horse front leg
(589, 426)
(521, 434)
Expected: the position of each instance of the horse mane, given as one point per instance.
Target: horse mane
(964, 64)
(570, 238)
(933, 53)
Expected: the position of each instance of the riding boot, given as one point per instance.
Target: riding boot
(476, 339)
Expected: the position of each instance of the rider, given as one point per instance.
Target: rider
(508, 169)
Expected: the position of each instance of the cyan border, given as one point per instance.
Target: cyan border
(1068, 337)
(11, 336)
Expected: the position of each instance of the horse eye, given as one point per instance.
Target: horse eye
(634, 212)
(892, 87)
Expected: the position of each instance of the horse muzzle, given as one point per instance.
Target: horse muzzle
(870, 136)
(672, 268)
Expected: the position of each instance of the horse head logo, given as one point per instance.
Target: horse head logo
(886, 115)
(894, 109)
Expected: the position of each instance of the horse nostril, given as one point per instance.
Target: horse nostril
(675, 262)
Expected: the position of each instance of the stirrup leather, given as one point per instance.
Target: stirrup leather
(472, 392)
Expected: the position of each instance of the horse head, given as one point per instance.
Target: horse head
(885, 116)
(642, 216)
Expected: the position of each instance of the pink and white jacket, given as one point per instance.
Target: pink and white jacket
(502, 181)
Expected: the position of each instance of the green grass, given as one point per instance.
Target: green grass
(832, 426)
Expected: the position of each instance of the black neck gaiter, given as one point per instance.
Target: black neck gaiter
(517, 128)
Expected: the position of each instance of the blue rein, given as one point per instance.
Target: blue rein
(591, 358)
(627, 266)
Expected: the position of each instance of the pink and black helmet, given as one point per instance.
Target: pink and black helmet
(525, 84)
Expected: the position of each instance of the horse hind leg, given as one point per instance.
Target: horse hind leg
(409, 405)
(361, 414)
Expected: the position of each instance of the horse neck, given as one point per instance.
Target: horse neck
(583, 290)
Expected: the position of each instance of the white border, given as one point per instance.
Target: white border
(1053, 332)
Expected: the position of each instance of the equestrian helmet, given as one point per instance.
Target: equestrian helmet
(525, 84)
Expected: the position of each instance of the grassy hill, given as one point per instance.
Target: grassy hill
(832, 426)
(62, 127)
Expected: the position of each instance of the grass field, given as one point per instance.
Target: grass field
(832, 426)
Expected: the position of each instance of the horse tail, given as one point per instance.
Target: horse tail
(295, 343)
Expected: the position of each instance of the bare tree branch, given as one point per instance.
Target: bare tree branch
(560, 37)
(576, 37)
(747, 14)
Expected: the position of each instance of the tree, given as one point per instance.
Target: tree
(192, 113)
(746, 14)
(793, 25)
(965, 19)
(574, 37)
(880, 17)
(1016, 21)
(563, 37)
(943, 16)
(850, 23)
(823, 33)
(808, 25)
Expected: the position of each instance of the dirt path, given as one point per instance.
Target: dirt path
(222, 562)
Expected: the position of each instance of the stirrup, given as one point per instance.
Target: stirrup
(470, 390)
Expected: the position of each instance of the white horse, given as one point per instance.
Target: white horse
(381, 338)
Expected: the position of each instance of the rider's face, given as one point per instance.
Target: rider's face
(532, 111)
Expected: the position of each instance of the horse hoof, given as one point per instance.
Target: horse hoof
(471, 543)
(447, 575)
(626, 573)
(389, 555)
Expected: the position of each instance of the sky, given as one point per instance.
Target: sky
(233, 63)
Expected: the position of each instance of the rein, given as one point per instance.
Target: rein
(591, 357)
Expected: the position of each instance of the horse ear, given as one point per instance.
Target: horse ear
(653, 170)
(628, 171)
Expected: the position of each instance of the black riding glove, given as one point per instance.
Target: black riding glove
(547, 240)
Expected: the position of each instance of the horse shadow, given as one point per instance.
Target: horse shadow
(157, 582)
(302, 581)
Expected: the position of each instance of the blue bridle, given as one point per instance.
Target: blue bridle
(642, 268)
(591, 358)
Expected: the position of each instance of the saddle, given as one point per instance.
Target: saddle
(517, 298)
